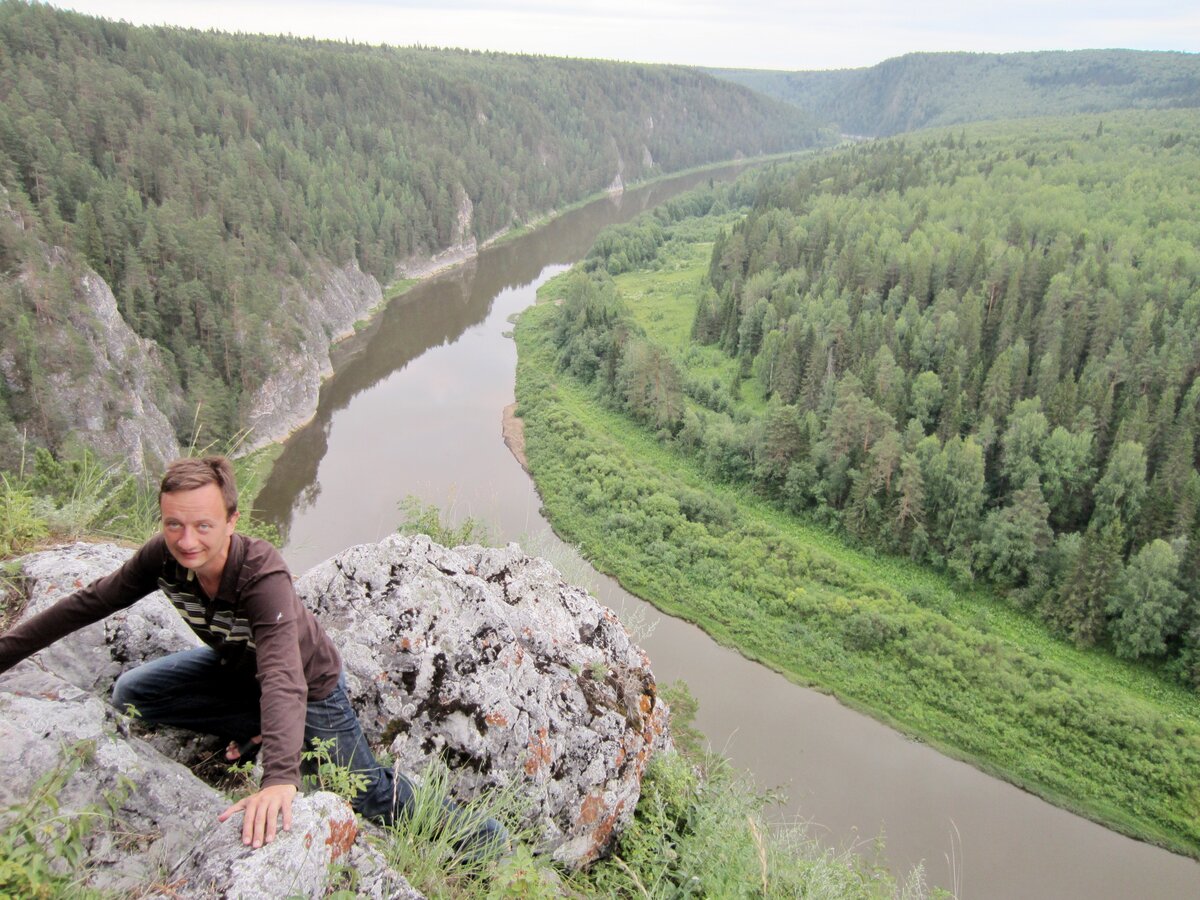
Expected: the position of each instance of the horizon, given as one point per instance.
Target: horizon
(754, 34)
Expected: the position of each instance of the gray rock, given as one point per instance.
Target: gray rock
(93, 657)
(103, 384)
(120, 420)
(287, 398)
(154, 822)
(483, 658)
(487, 659)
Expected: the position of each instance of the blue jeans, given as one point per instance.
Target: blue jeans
(191, 689)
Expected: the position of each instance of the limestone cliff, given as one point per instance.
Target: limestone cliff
(288, 396)
(74, 374)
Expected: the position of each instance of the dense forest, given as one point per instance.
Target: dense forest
(214, 181)
(921, 90)
(979, 350)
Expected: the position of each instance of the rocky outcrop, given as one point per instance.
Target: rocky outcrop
(489, 660)
(482, 658)
(97, 383)
(102, 382)
(463, 246)
(122, 420)
(154, 824)
(288, 397)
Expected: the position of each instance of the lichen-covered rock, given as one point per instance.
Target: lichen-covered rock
(489, 660)
(153, 822)
(482, 657)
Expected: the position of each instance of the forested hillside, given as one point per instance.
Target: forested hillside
(920, 90)
(979, 350)
(216, 183)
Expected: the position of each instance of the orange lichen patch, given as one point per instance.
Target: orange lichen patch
(602, 833)
(605, 830)
(308, 840)
(540, 753)
(589, 812)
(341, 837)
(405, 644)
(496, 718)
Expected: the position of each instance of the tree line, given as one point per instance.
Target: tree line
(212, 179)
(977, 349)
(922, 90)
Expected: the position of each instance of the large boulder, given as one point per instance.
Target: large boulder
(482, 658)
(92, 657)
(487, 659)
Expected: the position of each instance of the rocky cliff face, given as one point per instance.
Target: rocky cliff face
(483, 658)
(79, 375)
(114, 403)
(288, 397)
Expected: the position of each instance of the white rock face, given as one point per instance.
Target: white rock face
(288, 397)
(488, 659)
(113, 405)
(164, 830)
(482, 657)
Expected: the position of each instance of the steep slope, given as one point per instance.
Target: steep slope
(919, 90)
(227, 187)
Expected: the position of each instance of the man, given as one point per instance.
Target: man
(267, 670)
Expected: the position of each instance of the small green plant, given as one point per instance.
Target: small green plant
(524, 876)
(327, 775)
(20, 524)
(12, 594)
(425, 519)
(688, 739)
(42, 848)
(701, 832)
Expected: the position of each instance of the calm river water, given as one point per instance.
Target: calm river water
(415, 409)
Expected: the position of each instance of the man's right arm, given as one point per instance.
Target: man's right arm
(136, 578)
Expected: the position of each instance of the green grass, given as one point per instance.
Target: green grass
(663, 302)
(398, 287)
(958, 669)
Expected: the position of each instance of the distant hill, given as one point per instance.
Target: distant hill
(220, 184)
(920, 90)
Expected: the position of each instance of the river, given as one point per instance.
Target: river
(415, 408)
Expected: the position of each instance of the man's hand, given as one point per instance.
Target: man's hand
(262, 809)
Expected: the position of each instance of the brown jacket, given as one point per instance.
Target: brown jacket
(255, 620)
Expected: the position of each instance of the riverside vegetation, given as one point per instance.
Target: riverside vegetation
(915, 423)
(699, 830)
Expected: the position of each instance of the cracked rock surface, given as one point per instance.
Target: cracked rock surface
(486, 658)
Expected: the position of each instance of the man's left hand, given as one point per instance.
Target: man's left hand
(262, 810)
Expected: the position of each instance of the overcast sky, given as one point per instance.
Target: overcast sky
(763, 34)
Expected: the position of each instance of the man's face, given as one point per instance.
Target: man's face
(197, 530)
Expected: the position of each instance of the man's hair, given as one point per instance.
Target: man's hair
(191, 473)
